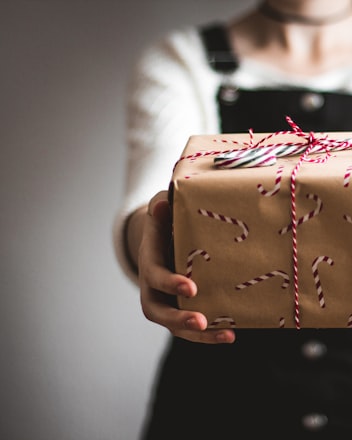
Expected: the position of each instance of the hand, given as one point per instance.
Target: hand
(159, 286)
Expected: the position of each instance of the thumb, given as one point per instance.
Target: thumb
(159, 207)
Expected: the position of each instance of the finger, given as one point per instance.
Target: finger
(158, 310)
(161, 198)
(181, 323)
(193, 327)
(225, 336)
(162, 279)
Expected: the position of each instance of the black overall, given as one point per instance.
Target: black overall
(279, 384)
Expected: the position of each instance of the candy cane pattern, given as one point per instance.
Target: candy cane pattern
(308, 216)
(190, 258)
(317, 278)
(277, 185)
(349, 322)
(346, 182)
(348, 218)
(346, 178)
(282, 322)
(222, 319)
(226, 219)
(265, 277)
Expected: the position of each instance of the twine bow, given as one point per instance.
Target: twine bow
(263, 153)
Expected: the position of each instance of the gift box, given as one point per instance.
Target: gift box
(262, 222)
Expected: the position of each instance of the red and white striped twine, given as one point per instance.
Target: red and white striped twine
(321, 144)
(294, 229)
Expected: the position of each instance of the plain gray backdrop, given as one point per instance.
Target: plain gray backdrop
(77, 357)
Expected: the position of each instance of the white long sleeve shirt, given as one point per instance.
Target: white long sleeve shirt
(172, 95)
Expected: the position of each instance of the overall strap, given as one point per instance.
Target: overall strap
(216, 44)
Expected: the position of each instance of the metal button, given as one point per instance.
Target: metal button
(314, 350)
(229, 94)
(314, 421)
(312, 101)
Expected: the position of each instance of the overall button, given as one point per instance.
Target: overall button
(314, 421)
(314, 350)
(312, 101)
(229, 94)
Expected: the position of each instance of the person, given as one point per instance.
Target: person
(283, 57)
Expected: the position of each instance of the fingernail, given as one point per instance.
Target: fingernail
(221, 337)
(183, 289)
(190, 323)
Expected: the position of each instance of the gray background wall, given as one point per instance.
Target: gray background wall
(77, 357)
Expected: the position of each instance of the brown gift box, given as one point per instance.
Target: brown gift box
(232, 234)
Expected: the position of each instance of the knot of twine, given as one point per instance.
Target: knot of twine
(263, 153)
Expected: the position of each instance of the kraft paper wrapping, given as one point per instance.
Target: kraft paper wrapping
(240, 251)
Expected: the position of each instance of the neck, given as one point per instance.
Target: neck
(306, 12)
(295, 48)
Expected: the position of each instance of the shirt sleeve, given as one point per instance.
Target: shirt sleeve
(166, 103)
